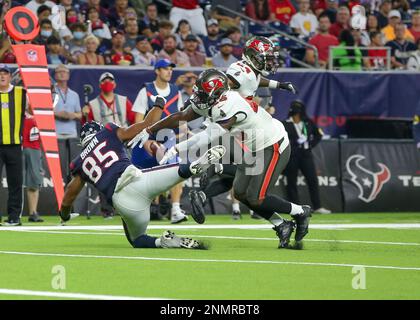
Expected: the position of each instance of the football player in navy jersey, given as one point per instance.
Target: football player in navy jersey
(104, 162)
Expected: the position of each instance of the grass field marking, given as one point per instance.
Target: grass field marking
(69, 295)
(229, 237)
(222, 226)
(324, 264)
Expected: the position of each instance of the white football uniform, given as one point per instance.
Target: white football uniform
(258, 128)
(246, 77)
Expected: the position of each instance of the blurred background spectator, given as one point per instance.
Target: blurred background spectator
(32, 166)
(400, 47)
(33, 5)
(90, 57)
(414, 59)
(190, 11)
(171, 53)
(347, 59)
(224, 58)
(258, 10)
(76, 45)
(281, 10)
(55, 51)
(212, 39)
(96, 24)
(323, 40)
(377, 57)
(118, 54)
(234, 34)
(196, 58)
(131, 33)
(394, 18)
(384, 9)
(67, 113)
(149, 25)
(415, 25)
(45, 31)
(303, 22)
(142, 53)
(181, 33)
(117, 13)
(342, 21)
(165, 29)
(226, 19)
(331, 9)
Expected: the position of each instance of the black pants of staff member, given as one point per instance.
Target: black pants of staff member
(302, 160)
(11, 158)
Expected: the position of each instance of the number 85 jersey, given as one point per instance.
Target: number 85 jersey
(102, 161)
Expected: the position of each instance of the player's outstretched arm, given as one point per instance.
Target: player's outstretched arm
(273, 84)
(72, 190)
(172, 121)
(126, 134)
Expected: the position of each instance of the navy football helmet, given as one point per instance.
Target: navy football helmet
(88, 131)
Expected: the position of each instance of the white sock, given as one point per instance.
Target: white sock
(157, 243)
(296, 209)
(176, 208)
(276, 220)
(235, 207)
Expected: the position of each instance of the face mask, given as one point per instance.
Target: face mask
(78, 35)
(71, 20)
(46, 33)
(107, 86)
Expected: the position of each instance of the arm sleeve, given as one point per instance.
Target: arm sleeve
(140, 104)
(202, 139)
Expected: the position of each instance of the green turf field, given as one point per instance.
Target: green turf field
(94, 258)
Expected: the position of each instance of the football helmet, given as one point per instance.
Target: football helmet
(261, 54)
(88, 131)
(209, 87)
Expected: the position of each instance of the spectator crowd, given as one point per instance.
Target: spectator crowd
(200, 33)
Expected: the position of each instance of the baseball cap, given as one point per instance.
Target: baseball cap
(106, 75)
(4, 67)
(225, 42)
(394, 13)
(191, 37)
(163, 63)
(115, 32)
(211, 22)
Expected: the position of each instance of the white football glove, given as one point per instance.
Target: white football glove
(141, 138)
(169, 154)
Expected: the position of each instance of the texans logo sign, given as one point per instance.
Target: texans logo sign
(369, 183)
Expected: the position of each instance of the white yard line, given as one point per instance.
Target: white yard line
(88, 256)
(232, 237)
(223, 226)
(68, 295)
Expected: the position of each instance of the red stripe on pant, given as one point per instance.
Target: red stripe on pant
(270, 171)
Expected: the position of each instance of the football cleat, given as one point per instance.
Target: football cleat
(170, 240)
(211, 156)
(178, 217)
(284, 232)
(198, 200)
(302, 222)
(236, 215)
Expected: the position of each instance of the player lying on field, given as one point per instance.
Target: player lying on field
(104, 163)
(263, 136)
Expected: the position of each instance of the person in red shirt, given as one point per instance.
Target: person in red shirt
(32, 165)
(342, 23)
(190, 11)
(322, 41)
(282, 10)
(415, 25)
(377, 57)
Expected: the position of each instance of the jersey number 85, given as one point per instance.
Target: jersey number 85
(93, 167)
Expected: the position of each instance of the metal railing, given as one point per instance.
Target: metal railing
(279, 32)
(384, 62)
(268, 27)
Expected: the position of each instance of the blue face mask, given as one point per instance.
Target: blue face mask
(46, 33)
(78, 35)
